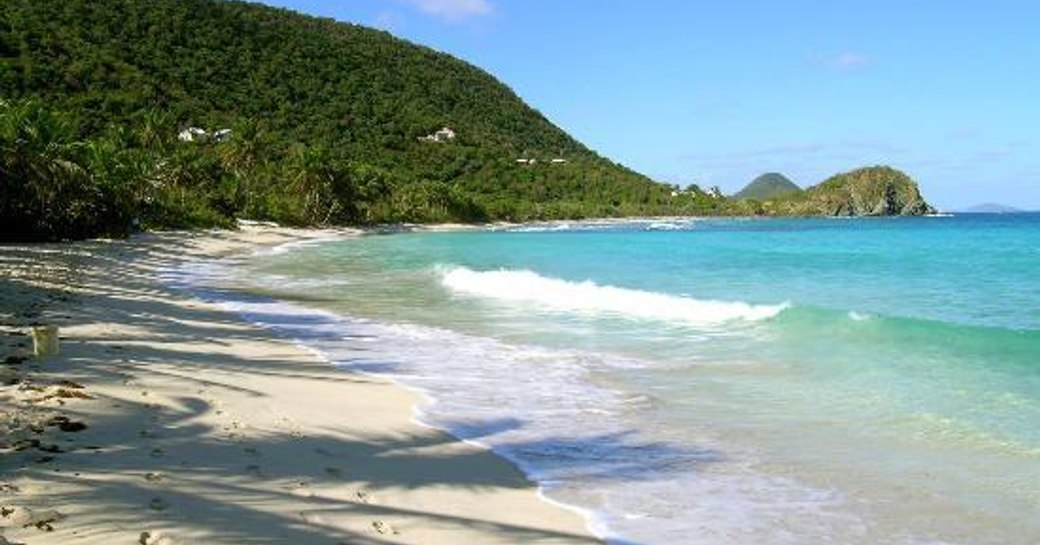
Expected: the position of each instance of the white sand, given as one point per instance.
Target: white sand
(201, 428)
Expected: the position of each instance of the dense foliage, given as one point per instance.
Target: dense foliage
(768, 186)
(327, 119)
(329, 124)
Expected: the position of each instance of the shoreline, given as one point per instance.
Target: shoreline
(593, 524)
(201, 428)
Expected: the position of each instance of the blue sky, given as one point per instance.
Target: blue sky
(717, 92)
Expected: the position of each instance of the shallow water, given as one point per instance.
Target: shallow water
(709, 381)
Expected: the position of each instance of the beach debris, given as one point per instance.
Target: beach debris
(25, 444)
(45, 341)
(15, 517)
(55, 391)
(63, 423)
(42, 520)
(15, 359)
(154, 538)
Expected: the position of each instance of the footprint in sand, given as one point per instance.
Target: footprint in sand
(295, 431)
(301, 489)
(15, 517)
(383, 527)
(158, 504)
(23, 517)
(363, 496)
(312, 518)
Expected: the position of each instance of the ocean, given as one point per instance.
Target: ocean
(706, 381)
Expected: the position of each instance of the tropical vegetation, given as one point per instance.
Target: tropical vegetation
(118, 115)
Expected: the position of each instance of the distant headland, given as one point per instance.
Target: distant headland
(991, 208)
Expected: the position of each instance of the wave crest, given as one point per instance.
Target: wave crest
(526, 286)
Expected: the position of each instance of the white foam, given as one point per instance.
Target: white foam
(859, 317)
(523, 286)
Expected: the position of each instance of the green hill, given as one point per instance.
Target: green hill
(328, 119)
(767, 186)
(871, 191)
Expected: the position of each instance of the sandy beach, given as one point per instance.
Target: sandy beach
(165, 420)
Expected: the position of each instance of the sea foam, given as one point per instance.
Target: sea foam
(524, 286)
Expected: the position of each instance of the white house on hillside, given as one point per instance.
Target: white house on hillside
(196, 134)
(443, 135)
(192, 134)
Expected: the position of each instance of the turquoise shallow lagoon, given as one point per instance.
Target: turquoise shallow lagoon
(712, 381)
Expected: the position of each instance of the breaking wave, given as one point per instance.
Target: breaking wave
(524, 286)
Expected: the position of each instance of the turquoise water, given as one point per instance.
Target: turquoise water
(714, 381)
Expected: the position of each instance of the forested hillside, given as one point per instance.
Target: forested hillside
(327, 118)
(118, 115)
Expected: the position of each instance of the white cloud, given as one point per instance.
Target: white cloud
(454, 11)
(849, 61)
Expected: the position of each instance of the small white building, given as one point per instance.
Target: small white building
(197, 134)
(191, 134)
(559, 161)
(445, 134)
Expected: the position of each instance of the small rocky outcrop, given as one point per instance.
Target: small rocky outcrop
(871, 191)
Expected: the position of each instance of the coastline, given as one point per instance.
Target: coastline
(200, 427)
